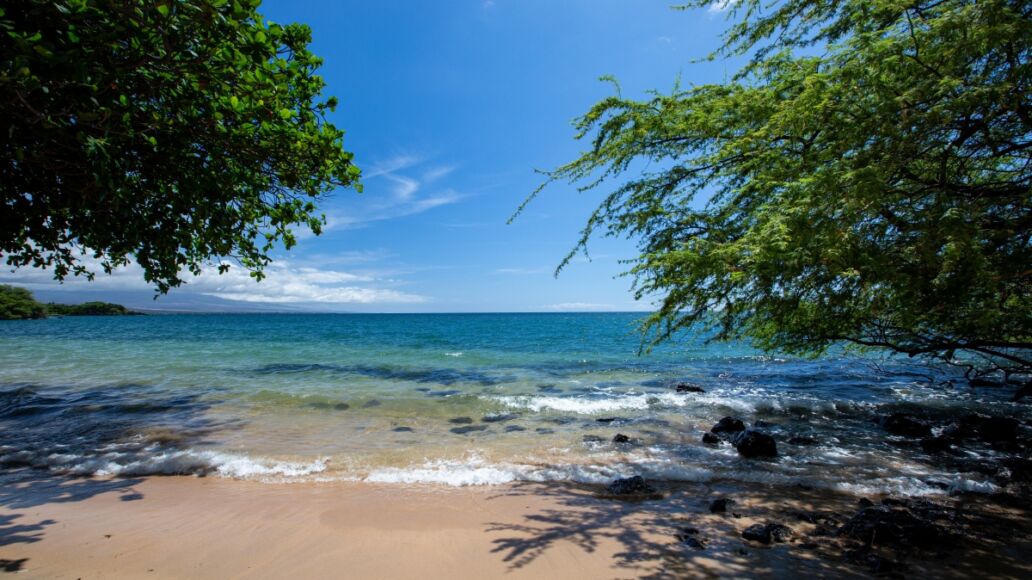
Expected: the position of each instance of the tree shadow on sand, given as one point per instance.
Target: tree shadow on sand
(51, 435)
(647, 539)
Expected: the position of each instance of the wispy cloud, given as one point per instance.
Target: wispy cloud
(284, 283)
(396, 187)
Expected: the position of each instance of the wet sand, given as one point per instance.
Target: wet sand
(189, 527)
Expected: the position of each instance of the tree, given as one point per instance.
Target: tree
(18, 304)
(865, 179)
(174, 133)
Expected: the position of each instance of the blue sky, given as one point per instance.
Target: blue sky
(449, 107)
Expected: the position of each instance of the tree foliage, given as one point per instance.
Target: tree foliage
(18, 304)
(172, 132)
(864, 179)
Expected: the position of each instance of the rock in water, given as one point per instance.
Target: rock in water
(689, 388)
(936, 444)
(461, 420)
(994, 429)
(755, 444)
(635, 485)
(767, 533)
(710, 439)
(468, 429)
(802, 440)
(906, 425)
(728, 425)
(621, 438)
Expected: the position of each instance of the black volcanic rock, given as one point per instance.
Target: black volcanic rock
(728, 425)
(719, 506)
(468, 429)
(689, 388)
(767, 533)
(906, 425)
(635, 485)
(621, 438)
(755, 444)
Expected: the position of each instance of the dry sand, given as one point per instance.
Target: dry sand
(187, 527)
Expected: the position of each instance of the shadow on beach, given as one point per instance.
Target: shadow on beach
(53, 438)
(649, 538)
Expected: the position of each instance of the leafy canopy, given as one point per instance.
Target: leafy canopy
(175, 133)
(865, 178)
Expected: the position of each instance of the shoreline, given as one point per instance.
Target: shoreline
(185, 526)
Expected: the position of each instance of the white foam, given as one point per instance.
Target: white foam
(153, 461)
(454, 354)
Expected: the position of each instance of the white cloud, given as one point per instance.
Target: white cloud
(580, 306)
(283, 284)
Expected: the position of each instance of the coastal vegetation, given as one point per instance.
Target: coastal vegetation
(19, 304)
(172, 134)
(863, 179)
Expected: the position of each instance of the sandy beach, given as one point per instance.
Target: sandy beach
(190, 527)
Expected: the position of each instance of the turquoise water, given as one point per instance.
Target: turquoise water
(448, 399)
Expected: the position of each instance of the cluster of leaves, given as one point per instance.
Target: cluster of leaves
(172, 132)
(18, 304)
(865, 178)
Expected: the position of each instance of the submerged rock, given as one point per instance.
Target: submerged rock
(371, 403)
(341, 407)
(997, 429)
(719, 506)
(403, 429)
(460, 421)
(514, 428)
(767, 533)
(728, 425)
(936, 444)
(499, 417)
(906, 425)
(710, 439)
(591, 439)
(689, 388)
(621, 438)
(635, 485)
(608, 420)
(802, 440)
(468, 429)
(544, 431)
(755, 444)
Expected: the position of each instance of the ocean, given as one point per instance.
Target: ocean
(458, 399)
